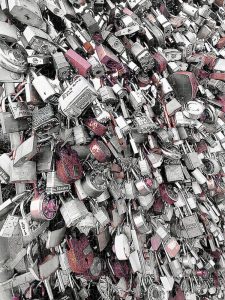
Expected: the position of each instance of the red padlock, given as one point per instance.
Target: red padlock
(221, 43)
(96, 127)
(160, 62)
(80, 254)
(68, 165)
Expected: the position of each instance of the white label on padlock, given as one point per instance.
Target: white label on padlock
(24, 227)
(122, 247)
(135, 262)
(9, 226)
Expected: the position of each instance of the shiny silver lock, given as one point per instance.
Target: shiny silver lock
(130, 189)
(45, 88)
(80, 134)
(72, 210)
(100, 214)
(94, 184)
(19, 109)
(54, 185)
(13, 58)
(26, 151)
(142, 56)
(44, 118)
(77, 97)
(38, 40)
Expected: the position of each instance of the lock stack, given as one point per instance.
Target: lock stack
(112, 162)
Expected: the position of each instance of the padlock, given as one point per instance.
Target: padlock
(26, 11)
(45, 88)
(55, 235)
(68, 10)
(100, 213)
(68, 165)
(107, 95)
(10, 224)
(72, 210)
(44, 159)
(142, 56)
(72, 41)
(141, 223)
(137, 99)
(166, 280)
(113, 41)
(44, 119)
(80, 254)
(5, 168)
(18, 109)
(80, 134)
(100, 151)
(43, 207)
(130, 189)
(54, 185)
(8, 32)
(24, 173)
(97, 69)
(194, 109)
(38, 59)
(38, 40)
(191, 158)
(91, 24)
(77, 97)
(94, 184)
(108, 58)
(96, 127)
(122, 248)
(13, 58)
(78, 62)
(26, 151)
(62, 66)
(163, 22)
(179, 80)
(32, 96)
(183, 44)
(30, 229)
(84, 37)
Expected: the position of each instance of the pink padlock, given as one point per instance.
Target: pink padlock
(78, 62)
(108, 58)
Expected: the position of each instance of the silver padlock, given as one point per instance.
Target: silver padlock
(26, 11)
(72, 210)
(77, 97)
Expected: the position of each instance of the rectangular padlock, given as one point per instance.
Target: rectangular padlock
(25, 151)
(78, 62)
(10, 125)
(25, 173)
(77, 97)
(26, 11)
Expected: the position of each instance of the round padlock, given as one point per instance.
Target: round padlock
(193, 110)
